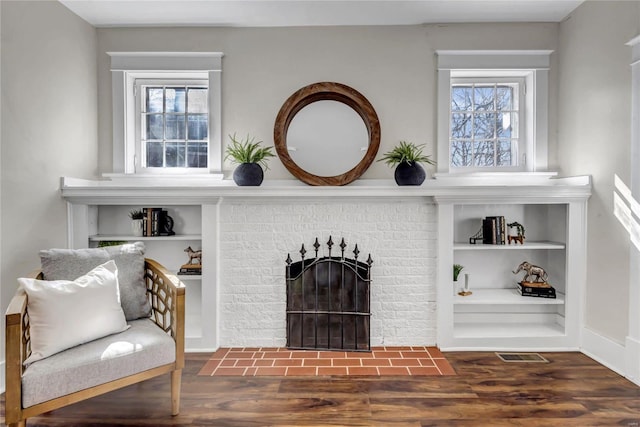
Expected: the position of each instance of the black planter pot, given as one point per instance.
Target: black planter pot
(248, 174)
(409, 174)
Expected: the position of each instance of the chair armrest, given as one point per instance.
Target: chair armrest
(166, 294)
(17, 348)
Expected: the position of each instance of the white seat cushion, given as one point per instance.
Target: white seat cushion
(143, 346)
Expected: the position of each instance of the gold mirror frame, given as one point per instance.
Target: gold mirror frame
(321, 92)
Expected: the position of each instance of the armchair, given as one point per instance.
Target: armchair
(150, 347)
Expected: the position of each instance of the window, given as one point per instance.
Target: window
(166, 113)
(173, 124)
(485, 125)
(492, 111)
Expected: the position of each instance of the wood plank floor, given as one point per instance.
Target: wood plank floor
(571, 390)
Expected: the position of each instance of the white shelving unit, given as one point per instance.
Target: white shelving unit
(495, 316)
(553, 212)
(512, 247)
(504, 297)
(130, 238)
(95, 223)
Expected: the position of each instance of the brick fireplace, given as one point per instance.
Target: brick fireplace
(255, 234)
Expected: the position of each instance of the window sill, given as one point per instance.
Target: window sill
(496, 178)
(163, 179)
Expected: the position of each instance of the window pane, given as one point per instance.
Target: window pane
(198, 101)
(484, 126)
(154, 127)
(197, 154)
(460, 125)
(175, 155)
(484, 97)
(504, 98)
(154, 154)
(504, 153)
(460, 153)
(507, 125)
(461, 98)
(154, 100)
(165, 132)
(198, 127)
(175, 100)
(483, 153)
(175, 126)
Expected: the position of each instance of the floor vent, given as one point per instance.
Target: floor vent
(522, 357)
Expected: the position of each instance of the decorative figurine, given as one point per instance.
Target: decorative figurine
(519, 237)
(191, 267)
(534, 283)
(532, 270)
(194, 255)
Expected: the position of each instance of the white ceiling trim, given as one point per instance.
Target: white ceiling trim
(287, 13)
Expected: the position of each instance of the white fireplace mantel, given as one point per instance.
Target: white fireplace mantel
(523, 188)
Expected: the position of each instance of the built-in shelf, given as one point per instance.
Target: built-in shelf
(118, 237)
(504, 297)
(550, 208)
(512, 247)
(185, 277)
(507, 330)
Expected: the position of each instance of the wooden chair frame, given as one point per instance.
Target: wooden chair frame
(167, 297)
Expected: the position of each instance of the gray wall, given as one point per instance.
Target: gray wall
(594, 134)
(49, 128)
(394, 67)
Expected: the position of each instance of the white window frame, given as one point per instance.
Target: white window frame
(126, 68)
(530, 65)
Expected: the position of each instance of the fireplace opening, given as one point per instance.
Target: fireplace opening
(328, 303)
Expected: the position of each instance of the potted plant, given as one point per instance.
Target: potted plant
(136, 222)
(251, 158)
(407, 158)
(457, 268)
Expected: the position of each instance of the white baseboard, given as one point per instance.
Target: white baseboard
(604, 351)
(632, 347)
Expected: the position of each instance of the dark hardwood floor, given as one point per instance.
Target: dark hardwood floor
(571, 390)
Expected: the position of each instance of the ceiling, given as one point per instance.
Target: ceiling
(284, 13)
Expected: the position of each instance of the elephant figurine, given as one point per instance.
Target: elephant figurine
(533, 271)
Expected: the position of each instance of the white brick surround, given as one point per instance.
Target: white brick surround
(255, 237)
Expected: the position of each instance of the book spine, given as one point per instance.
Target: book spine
(494, 229)
(155, 222)
(503, 230)
(536, 292)
(144, 221)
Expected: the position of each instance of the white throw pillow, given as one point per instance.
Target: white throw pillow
(65, 313)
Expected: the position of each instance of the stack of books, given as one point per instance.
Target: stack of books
(191, 269)
(494, 230)
(536, 289)
(156, 222)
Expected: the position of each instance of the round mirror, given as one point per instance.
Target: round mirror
(327, 134)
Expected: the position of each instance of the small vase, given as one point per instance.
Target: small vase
(409, 174)
(456, 287)
(248, 174)
(136, 227)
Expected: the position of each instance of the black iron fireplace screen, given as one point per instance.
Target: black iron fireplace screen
(328, 301)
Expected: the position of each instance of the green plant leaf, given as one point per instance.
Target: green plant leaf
(247, 150)
(406, 152)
